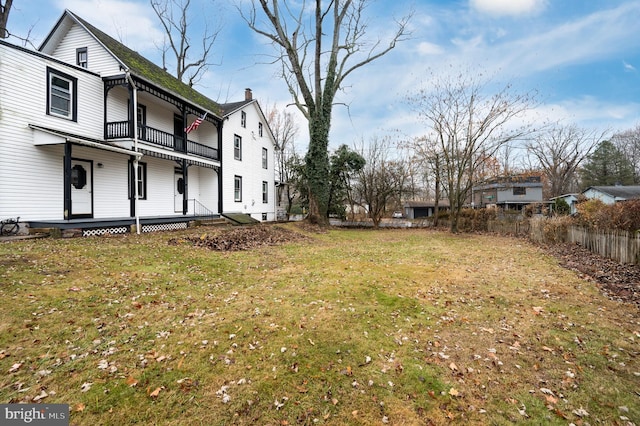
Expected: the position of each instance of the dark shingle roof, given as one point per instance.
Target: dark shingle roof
(147, 70)
(623, 192)
(233, 106)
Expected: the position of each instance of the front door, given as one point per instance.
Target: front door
(178, 191)
(81, 188)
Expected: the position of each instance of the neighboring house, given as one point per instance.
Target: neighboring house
(509, 193)
(72, 157)
(420, 209)
(612, 194)
(570, 199)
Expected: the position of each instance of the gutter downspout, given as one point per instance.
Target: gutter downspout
(135, 148)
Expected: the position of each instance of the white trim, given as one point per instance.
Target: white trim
(80, 141)
(179, 155)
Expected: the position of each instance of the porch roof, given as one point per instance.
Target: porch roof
(80, 140)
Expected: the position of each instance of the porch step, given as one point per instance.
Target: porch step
(214, 222)
(240, 219)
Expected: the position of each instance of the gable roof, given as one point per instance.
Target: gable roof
(139, 66)
(620, 192)
(231, 107)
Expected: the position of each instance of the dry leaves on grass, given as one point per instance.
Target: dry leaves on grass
(244, 238)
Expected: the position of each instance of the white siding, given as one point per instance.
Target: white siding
(31, 176)
(98, 58)
(110, 182)
(250, 167)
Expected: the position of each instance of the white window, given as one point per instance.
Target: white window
(81, 57)
(265, 161)
(61, 95)
(142, 181)
(237, 188)
(265, 192)
(243, 119)
(237, 147)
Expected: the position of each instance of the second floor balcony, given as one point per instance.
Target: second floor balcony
(120, 130)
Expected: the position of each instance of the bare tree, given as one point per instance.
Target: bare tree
(431, 160)
(314, 72)
(176, 19)
(5, 8)
(559, 151)
(380, 180)
(467, 125)
(285, 131)
(628, 142)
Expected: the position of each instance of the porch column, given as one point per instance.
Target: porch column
(132, 182)
(185, 193)
(219, 171)
(67, 180)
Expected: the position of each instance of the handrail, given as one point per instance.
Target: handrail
(200, 209)
(120, 130)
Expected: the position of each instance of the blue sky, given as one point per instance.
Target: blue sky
(581, 56)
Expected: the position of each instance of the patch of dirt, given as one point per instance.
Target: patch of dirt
(617, 281)
(241, 238)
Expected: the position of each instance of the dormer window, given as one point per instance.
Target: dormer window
(81, 57)
(243, 119)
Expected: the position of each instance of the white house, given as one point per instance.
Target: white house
(612, 194)
(249, 167)
(94, 136)
(570, 199)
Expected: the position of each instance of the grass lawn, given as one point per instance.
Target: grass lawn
(403, 327)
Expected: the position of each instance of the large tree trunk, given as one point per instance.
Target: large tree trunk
(317, 162)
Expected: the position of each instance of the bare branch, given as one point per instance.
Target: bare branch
(174, 17)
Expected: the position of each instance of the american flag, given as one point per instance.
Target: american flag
(195, 124)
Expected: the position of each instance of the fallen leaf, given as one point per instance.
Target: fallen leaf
(454, 392)
(453, 367)
(581, 412)
(538, 310)
(15, 367)
(42, 395)
(131, 381)
(85, 387)
(156, 392)
(546, 391)
(79, 407)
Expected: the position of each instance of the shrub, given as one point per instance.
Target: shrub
(624, 215)
(555, 229)
(561, 207)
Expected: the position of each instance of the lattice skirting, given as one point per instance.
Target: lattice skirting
(164, 227)
(125, 229)
(103, 231)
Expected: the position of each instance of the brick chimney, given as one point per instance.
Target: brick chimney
(248, 94)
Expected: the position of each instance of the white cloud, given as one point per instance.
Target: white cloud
(131, 23)
(628, 67)
(598, 36)
(426, 48)
(508, 7)
(591, 112)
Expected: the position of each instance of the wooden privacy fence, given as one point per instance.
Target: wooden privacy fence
(622, 246)
(517, 228)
